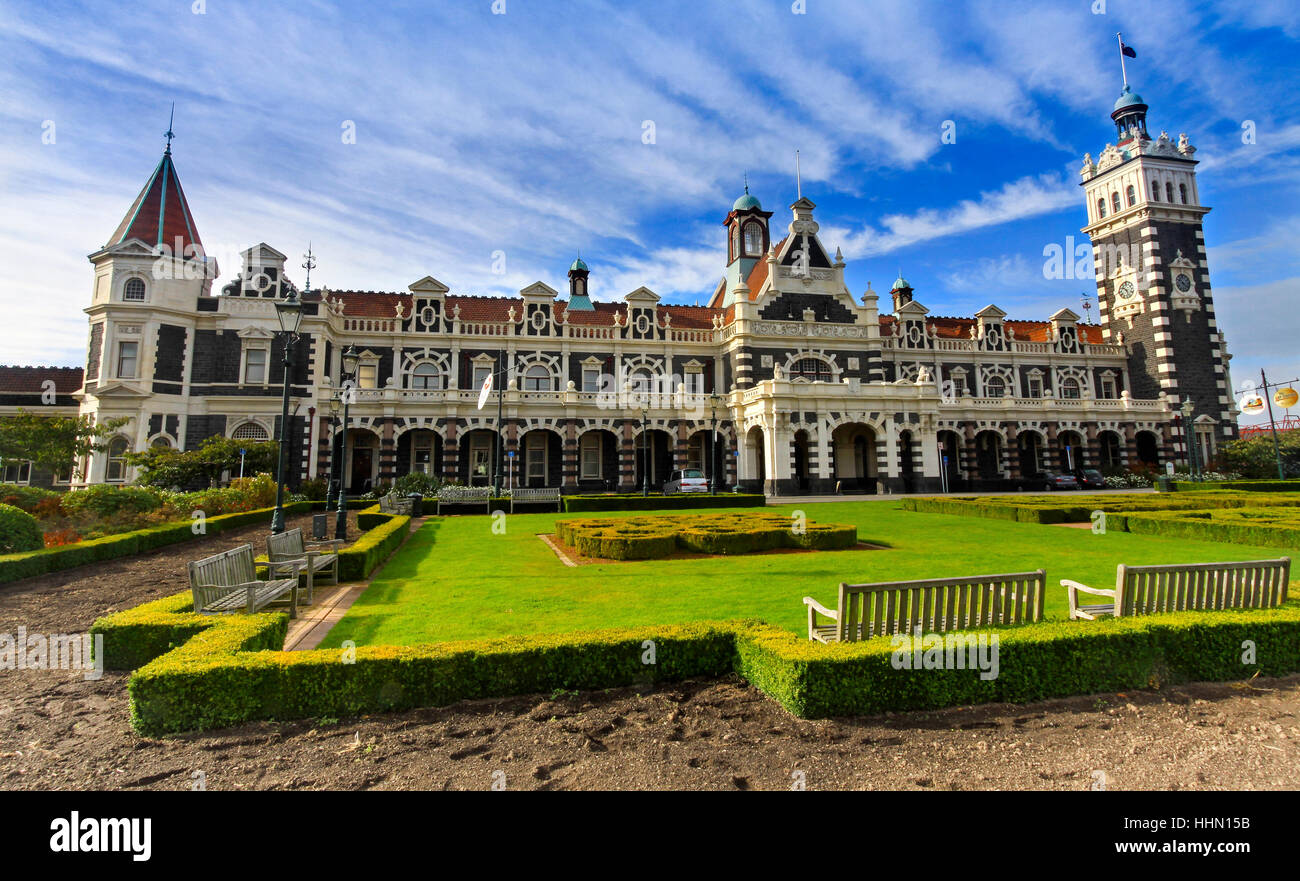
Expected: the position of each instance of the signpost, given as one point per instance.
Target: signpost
(242, 453)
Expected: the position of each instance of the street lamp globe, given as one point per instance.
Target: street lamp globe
(289, 312)
(350, 357)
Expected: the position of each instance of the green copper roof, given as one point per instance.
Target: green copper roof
(1128, 98)
(578, 265)
(900, 284)
(745, 202)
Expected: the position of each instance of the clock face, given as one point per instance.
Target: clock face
(1183, 282)
(1126, 290)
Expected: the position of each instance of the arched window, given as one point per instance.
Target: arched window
(995, 387)
(133, 290)
(1114, 202)
(1182, 193)
(1132, 196)
(735, 242)
(115, 467)
(537, 379)
(1101, 208)
(426, 376)
(1155, 191)
(1070, 389)
(1169, 191)
(753, 239)
(161, 442)
(812, 369)
(250, 431)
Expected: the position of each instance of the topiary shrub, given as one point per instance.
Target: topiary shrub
(18, 531)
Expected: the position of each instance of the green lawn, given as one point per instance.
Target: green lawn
(455, 579)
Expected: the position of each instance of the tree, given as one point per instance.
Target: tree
(1253, 457)
(167, 467)
(53, 443)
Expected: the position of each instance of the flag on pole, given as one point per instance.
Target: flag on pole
(1128, 50)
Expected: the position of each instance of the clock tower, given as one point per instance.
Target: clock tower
(1153, 283)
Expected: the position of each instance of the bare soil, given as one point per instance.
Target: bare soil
(59, 731)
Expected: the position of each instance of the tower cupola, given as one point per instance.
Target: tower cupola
(579, 297)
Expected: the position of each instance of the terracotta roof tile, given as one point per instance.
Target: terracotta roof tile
(162, 199)
(31, 380)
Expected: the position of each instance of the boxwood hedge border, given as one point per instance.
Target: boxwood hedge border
(196, 672)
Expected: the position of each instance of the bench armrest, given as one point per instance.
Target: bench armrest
(1074, 585)
(328, 542)
(813, 604)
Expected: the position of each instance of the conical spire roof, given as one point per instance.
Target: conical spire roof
(160, 215)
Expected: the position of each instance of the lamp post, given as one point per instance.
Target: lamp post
(330, 486)
(1190, 435)
(713, 445)
(345, 392)
(645, 454)
(289, 313)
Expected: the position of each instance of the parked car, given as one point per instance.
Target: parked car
(1089, 478)
(689, 480)
(1050, 480)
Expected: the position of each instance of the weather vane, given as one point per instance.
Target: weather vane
(169, 134)
(1087, 308)
(309, 264)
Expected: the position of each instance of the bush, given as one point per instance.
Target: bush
(645, 538)
(27, 564)
(417, 482)
(374, 547)
(105, 501)
(29, 498)
(18, 531)
(314, 490)
(227, 670)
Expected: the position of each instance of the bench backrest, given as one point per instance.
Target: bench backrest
(1251, 584)
(228, 568)
(940, 605)
(536, 493)
(285, 546)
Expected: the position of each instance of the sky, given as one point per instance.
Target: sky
(487, 143)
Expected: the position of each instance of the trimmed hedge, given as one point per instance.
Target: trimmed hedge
(374, 547)
(1035, 662)
(227, 670)
(645, 538)
(16, 566)
(1251, 486)
(1078, 509)
(579, 504)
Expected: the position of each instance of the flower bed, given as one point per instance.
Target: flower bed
(645, 538)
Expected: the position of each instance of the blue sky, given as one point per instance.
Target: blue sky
(524, 133)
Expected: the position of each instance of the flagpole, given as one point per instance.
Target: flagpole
(1122, 68)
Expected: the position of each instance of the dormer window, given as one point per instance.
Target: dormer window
(753, 239)
(133, 290)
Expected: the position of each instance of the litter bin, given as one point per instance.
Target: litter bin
(1162, 483)
(416, 499)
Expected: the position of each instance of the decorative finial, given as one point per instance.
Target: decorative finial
(747, 183)
(169, 134)
(309, 264)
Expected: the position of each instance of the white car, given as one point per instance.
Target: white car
(691, 480)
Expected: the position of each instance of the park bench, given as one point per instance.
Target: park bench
(936, 605)
(392, 503)
(288, 550)
(1145, 590)
(464, 495)
(227, 582)
(539, 494)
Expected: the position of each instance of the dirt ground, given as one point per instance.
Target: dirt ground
(58, 731)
